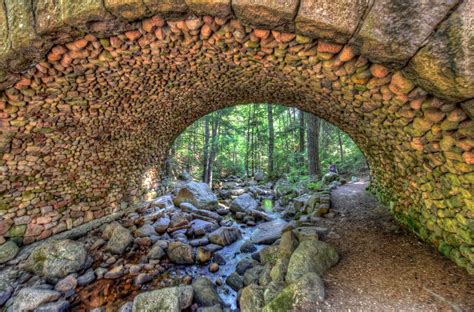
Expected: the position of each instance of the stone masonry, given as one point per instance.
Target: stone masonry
(93, 92)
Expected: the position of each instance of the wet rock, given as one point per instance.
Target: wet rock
(203, 255)
(198, 194)
(58, 306)
(180, 253)
(172, 299)
(146, 231)
(252, 298)
(205, 292)
(203, 241)
(66, 285)
(162, 224)
(142, 278)
(57, 259)
(5, 293)
(213, 247)
(187, 207)
(307, 291)
(268, 232)
(252, 275)
(248, 247)
(219, 259)
(224, 236)
(243, 265)
(156, 252)
(243, 203)
(201, 227)
(115, 273)
(30, 298)
(8, 251)
(311, 256)
(213, 267)
(86, 278)
(119, 238)
(235, 281)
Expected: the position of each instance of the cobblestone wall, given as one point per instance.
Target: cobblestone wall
(94, 92)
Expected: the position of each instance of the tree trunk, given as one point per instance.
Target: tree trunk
(206, 150)
(247, 144)
(313, 145)
(301, 138)
(213, 153)
(341, 151)
(271, 140)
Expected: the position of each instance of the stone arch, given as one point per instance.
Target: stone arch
(93, 94)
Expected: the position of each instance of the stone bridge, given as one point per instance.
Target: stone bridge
(93, 92)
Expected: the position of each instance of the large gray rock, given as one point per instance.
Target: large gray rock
(444, 66)
(8, 251)
(29, 299)
(329, 19)
(58, 306)
(268, 232)
(200, 227)
(205, 292)
(311, 256)
(224, 236)
(57, 259)
(198, 194)
(243, 203)
(119, 238)
(393, 31)
(301, 295)
(180, 253)
(172, 299)
(330, 177)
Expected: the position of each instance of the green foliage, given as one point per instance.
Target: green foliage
(242, 145)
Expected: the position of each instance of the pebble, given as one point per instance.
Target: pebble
(142, 278)
(67, 285)
(115, 272)
(213, 267)
(86, 278)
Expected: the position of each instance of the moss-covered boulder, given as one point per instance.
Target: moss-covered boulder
(311, 256)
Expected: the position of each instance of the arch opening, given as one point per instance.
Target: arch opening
(81, 127)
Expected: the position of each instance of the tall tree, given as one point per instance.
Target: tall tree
(341, 151)
(301, 138)
(205, 149)
(313, 145)
(271, 139)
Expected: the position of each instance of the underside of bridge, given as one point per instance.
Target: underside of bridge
(94, 92)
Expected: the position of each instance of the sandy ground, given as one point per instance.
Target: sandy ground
(385, 268)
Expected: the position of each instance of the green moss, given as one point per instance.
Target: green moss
(283, 302)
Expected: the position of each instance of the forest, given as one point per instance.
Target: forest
(255, 139)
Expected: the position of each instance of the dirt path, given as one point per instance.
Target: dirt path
(384, 268)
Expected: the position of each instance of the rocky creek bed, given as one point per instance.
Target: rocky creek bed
(250, 247)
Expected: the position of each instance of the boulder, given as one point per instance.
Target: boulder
(243, 203)
(268, 232)
(146, 230)
(205, 293)
(311, 256)
(58, 306)
(225, 236)
(330, 177)
(252, 275)
(251, 299)
(172, 299)
(156, 252)
(200, 227)
(198, 194)
(203, 255)
(162, 224)
(235, 281)
(118, 236)
(30, 298)
(180, 253)
(57, 259)
(8, 251)
(187, 207)
(303, 294)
